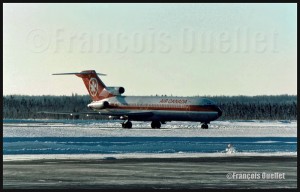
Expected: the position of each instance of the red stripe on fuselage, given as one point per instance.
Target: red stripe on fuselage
(194, 108)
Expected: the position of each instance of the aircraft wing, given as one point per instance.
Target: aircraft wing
(129, 114)
(69, 113)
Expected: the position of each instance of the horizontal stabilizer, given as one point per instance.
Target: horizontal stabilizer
(93, 84)
(78, 73)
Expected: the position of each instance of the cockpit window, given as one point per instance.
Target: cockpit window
(208, 102)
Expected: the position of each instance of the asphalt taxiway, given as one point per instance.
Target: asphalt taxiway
(153, 173)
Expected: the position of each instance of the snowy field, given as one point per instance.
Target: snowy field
(84, 128)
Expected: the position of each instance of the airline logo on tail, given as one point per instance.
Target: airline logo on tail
(93, 87)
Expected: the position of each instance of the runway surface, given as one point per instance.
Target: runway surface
(153, 173)
(100, 154)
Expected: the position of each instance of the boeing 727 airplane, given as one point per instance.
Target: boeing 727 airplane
(110, 101)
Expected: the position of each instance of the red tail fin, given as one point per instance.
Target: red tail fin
(93, 84)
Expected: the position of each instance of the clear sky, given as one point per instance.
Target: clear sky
(178, 49)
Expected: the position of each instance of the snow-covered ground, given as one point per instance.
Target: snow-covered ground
(73, 128)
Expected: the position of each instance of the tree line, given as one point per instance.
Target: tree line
(279, 107)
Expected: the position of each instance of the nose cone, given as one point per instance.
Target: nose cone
(219, 111)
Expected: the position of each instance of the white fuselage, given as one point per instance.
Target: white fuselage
(160, 108)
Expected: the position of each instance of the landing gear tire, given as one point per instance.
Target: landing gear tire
(204, 126)
(127, 125)
(155, 124)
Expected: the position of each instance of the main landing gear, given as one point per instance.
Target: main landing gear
(155, 124)
(127, 124)
(204, 126)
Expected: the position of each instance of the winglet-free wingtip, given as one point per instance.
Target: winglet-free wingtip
(101, 74)
(80, 73)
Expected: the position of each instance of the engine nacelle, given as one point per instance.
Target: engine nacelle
(115, 90)
(99, 105)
